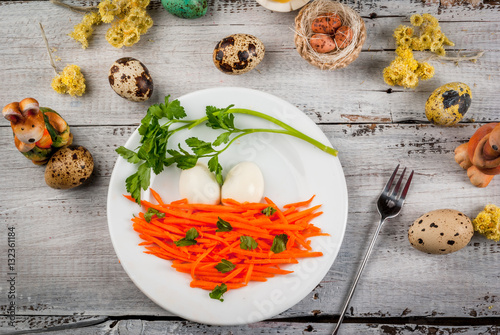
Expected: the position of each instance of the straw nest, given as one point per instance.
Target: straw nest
(337, 58)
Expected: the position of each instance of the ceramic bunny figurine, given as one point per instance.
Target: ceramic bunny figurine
(38, 131)
(481, 155)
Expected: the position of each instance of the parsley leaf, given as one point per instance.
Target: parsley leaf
(279, 243)
(137, 181)
(222, 138)
(247, 243)
(173, 109)
(220, 118)
(128, 154)
(191, 234)
(223, 225)
(151, 212)
(218, 291)
(199, 147)
(225, 266)
(269, 211)
(216, 168)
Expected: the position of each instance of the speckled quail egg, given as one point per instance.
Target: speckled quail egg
(441, 231)
(130, 79)
(238, 53)
(447, 105)
(187, 9)
(69, 167)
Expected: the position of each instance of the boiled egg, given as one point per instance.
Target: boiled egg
(244, 183)
(199, 186)
(283, 5)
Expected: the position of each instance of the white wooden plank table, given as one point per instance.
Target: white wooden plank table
(69, 280)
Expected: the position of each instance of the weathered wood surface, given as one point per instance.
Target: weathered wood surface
(137, 326)
(68, 273)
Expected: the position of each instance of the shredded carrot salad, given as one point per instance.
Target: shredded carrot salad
(229, 244)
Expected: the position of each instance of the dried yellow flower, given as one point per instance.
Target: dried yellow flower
(416, 20)
(92, 18)
(81, 33)
(133, 21)
(405, 70)
(70, 80)
(425, 71)
(487, 222)
(130, 37)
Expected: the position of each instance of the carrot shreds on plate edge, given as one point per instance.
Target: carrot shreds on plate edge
(200, 256)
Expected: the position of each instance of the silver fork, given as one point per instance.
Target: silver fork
(389, 205)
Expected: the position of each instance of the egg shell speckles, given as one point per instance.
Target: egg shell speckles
(322, 43)
(238, 53)
(69, 167)
(187, 9)
(448, 104)
(326, 24)
(441, 231)
(343, 37)
(130, 79)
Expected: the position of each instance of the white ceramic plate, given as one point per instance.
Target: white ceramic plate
(283, 6)
(293, 171)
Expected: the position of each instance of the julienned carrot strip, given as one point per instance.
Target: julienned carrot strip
(272, 261)
(299, 215)
(198, 260)
(210, 247)
(157, 197)
(233, 274)
(267, 269)
(278, 211)
(249, 273)
(299, 239)
(301, 203)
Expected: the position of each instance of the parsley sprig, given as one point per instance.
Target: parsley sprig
(165, 119)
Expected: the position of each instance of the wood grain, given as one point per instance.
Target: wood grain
(137, 326)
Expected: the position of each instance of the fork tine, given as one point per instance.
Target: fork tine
(389, 182)
(407, 186)
(398, 185)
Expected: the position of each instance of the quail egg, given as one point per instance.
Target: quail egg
(441, 231)
(238, 53)
(447, 105)
(130, 79)
(187, 9)
(69, 167)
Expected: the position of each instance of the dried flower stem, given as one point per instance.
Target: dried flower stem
(48, 49)
(74, 8)
(472, 58)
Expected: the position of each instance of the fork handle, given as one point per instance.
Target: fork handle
(358, 275)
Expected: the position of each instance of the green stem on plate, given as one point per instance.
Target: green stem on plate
(290, 130)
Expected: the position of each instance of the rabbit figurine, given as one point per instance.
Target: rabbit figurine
(38, 131)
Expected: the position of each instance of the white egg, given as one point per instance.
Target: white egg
(244, 182)
(199, 186)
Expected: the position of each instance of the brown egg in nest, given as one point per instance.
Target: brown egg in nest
(69, 167)
(326, 24)
(238, 53)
